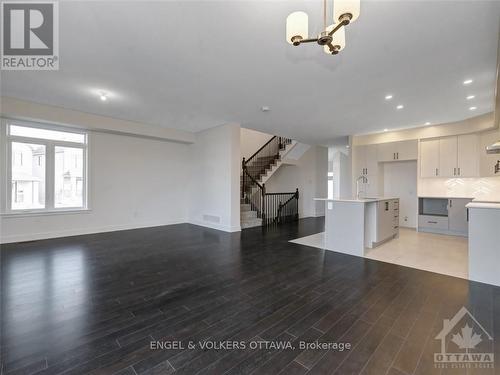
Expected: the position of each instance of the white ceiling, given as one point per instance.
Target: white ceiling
(194, 65)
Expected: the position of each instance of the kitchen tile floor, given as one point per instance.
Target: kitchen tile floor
(447, 255)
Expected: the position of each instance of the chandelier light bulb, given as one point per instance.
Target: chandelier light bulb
(332, 37)
(341, 7)
(297, 24)
(337, 41)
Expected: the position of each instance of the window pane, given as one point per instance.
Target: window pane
(68, 180)
(28, 176)
(24, 131)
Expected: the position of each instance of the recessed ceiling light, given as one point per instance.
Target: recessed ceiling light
(470, 97)
(472, 108)
(468, 81)
(386, 129)
(265, 108)
(427, 123)
(400, 106)
(103, 96)
(388, 97)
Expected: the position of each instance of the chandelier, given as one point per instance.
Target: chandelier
(332, 38)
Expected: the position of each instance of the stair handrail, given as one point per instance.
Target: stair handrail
(259, 150)
(282, 205)
(245, 172)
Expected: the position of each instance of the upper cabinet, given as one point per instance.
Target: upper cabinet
(365, 160)
(456, 156)
(468, 155)
(394, 151)
(448, 157)
(429, 158)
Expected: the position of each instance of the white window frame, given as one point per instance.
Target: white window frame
(50, 146)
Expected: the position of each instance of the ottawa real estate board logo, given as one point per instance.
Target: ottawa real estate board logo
(465, 343)
(30, 35)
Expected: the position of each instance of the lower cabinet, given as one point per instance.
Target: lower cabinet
(439, 223)
(386, 223)
(444, 215)
(458, 215)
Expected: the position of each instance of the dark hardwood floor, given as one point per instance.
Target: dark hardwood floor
(95, 304)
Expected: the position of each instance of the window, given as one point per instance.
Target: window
(68, 174)
(47, 169)
(27, 179)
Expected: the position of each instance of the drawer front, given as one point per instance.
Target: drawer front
(436, 222)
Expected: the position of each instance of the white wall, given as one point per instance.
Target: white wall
(340, 168)
(400, 180)
(214, 198)
(21, 109)
(251, 141)
(134, 182)
(309, 175)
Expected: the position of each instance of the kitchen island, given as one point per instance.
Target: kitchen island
(352, 225)
(484, 247)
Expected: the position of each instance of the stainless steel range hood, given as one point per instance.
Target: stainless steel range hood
(494, 148)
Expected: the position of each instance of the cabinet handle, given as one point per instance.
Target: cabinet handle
(394, 156)
(451, 203)
(432, 222)
(459, 171)
(397, 155)
(436, 171)
(467, 214)
(454, 171)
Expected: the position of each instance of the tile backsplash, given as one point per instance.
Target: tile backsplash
(485, 188)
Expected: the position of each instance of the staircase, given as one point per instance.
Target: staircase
(258, 207)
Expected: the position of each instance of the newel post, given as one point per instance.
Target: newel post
(263, 204)
(243, 179)
(297, 204)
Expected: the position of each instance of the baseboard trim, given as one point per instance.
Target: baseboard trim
(79, 232)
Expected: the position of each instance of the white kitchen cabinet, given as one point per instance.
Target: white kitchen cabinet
(444, 215)
(397, 151)
(429, 158)
(382, 223)
(358, 156)
(371, 160)
(456, 156)
(386, 151)
(468, 155)
(365, 160)
(371, 188)
(458, 216)
(407, 150)
(448, 157)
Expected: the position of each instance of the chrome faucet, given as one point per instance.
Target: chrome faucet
(364, 180)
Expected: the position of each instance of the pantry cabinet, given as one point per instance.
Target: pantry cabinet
(365, 160)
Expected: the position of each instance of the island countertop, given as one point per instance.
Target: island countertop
(354, 200)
